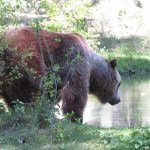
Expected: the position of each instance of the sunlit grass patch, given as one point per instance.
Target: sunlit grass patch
(130, 62)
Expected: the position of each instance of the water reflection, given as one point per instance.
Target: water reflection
(134, 109)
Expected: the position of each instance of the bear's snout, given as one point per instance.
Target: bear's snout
(114, 101)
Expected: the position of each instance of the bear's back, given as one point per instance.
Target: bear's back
(41, 44)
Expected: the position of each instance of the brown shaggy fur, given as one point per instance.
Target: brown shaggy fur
(83, 69)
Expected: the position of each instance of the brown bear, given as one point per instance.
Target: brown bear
(82, 71)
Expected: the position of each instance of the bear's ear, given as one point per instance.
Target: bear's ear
(113, 63)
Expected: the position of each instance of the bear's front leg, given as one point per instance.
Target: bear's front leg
(74, 112)
(74, 101)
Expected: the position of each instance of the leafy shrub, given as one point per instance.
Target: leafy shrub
(137, 140)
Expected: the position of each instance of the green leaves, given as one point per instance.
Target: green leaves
(67, 15)
(8, 10)
(138, 139)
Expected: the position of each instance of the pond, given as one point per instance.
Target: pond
(132, 111)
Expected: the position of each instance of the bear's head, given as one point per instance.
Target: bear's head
(112, 83)
(105, 81)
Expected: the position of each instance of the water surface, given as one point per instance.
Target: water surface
(133, 111)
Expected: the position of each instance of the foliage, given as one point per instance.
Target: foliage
(8, 11)
(139, 139)
(66, 15)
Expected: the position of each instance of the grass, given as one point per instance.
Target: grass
(82, 137)
(130, 62)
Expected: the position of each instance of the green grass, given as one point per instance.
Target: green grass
(133, 66)
(130, 62)
(81, 137)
